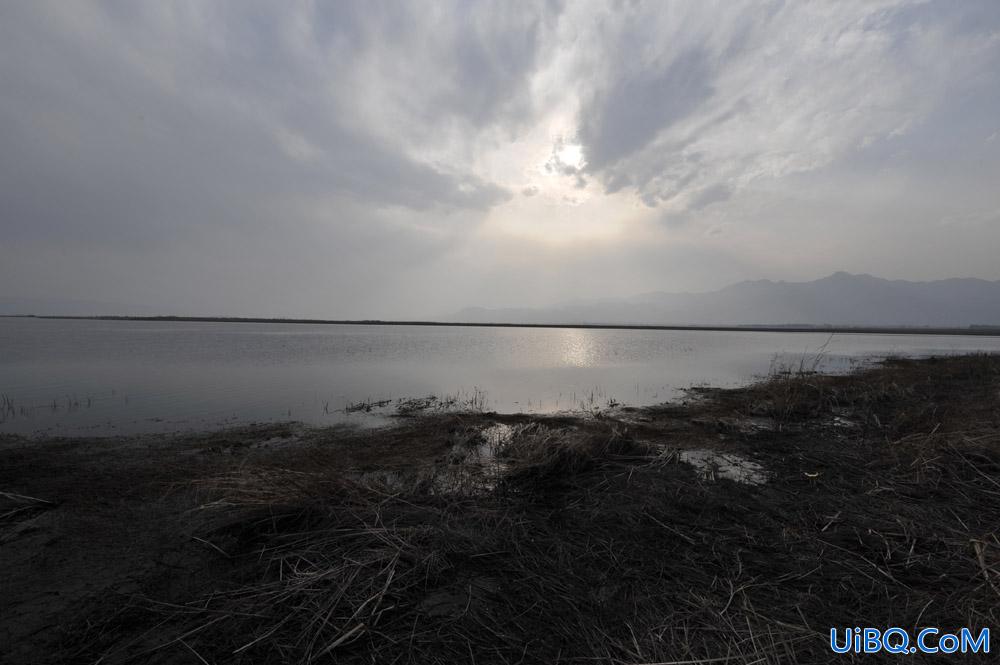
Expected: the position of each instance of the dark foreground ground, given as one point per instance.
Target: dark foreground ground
(739, 526)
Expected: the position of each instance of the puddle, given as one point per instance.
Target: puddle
(841, 418)
(477, 459)
(474, 465)
(497, 435)
(714, 465)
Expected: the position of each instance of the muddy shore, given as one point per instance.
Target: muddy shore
(737, 525)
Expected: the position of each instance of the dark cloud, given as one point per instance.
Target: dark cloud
(100, 150)
(635, 107)
(711, 194)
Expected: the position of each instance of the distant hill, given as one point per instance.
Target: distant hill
(841, 299)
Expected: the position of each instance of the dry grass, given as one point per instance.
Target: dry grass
(592, 545)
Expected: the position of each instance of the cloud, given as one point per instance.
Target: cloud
(709, 195)
(635, 107)
(136, 116)
(711, 107)
(180, 131)
(347, 159)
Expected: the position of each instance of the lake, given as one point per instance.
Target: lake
(81, 377)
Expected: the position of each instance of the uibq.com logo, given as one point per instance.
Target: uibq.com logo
(901, 641)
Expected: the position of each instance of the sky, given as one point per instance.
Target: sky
(407, 159)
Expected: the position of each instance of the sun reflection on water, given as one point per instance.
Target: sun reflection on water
(578, 348)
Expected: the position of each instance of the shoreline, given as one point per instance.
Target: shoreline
(980, 331)
(743, 521)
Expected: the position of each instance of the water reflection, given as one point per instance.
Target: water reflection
(73, 377)
(577, 348)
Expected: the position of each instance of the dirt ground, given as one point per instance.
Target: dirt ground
(738, 525)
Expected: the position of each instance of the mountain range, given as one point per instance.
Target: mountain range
(841, 299)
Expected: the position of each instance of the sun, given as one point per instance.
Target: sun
(571, 154)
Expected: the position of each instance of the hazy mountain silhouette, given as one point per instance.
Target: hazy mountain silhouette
(840, 299)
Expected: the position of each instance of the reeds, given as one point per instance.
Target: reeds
(594, 545)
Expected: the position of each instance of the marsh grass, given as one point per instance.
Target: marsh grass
(593, 545)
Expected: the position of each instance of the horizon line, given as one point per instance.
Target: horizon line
(984, 330)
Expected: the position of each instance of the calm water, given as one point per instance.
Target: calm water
(107, 377)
